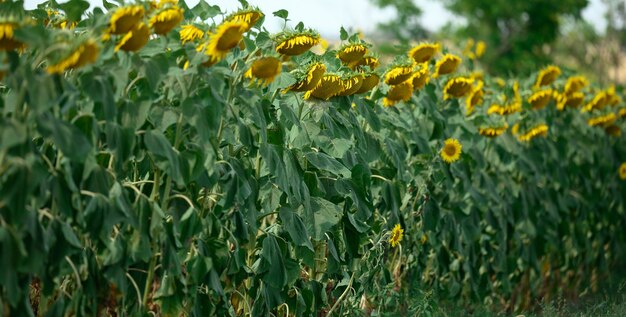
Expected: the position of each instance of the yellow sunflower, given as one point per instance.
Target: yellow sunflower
(599, 101)
(540, 130)
(314, 74)
(85, 53)
(398, 74)
(369, 82)
(226, 36)
(622, 113)
(369, 61)
(328, 87)
(350, 53)
(480, 48)
(492, 132)
(505, 109)
(457, 87)
(396, 235)
(190, 33)
(613, 130)
(166, 20)
(474, 98)
(351, 84)
(622, 171)
(424, 52)
(547, 76)
(540, 99)
(264, 70)
(603, 120)
(7, 42)
(573, 100)
(447, 64)
(451, 150)
(420, 77)
(575, 83)
(249, 16)
(296, 44)
(135, 39)
(397, 93)
(124, 19)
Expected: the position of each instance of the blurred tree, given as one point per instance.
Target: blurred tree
(405, 26)
(518, 33)
(616, 36)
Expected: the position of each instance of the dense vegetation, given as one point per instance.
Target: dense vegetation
(153, 160)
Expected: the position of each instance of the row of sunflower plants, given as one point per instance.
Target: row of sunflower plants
(157, 158)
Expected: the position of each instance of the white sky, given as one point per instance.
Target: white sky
(327, 16)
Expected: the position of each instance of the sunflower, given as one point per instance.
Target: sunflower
(85, 53)
(7, 42)
(603, 120)
(474, 98)
(190, 33)
(352, 52)
(226, 36)
(573, 100)
(451, 150)
(264, 70)
(296, 43)
(424, 52)
(369, 82)
(249, 16)
(622, 113)
(369, 61)
(480, 48)
(613, 130)
(622, 171)
(575, 83)
(314, 74)
(166, 20)
(397, 93)
(540, 99)
(447, 64)
(135, 39)
(599, 101)
(505, 109)
(328, 87)
(398, 74)
(540, 130)
(492, 132)
(124, 19)
(420, 77)
(351, 84)
(457, 87)
(547, 76)
(396, 235)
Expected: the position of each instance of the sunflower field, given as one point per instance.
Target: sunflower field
(157, 159)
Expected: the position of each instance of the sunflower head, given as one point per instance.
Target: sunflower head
(613, 130)
(540, 99)
(190, 33)
(622, 171)
(351, 84)
(397, 93)
(398, 73)
(125, 19)
(328, 87)
(547, 76)
(292, 44)
(474, 98)
(249, 15)
(621, 113)
(396, 235)
(310, 79)
(492, 131)
(7, 42)
(540, 130)
(602, 120)
(369, 61)
(135, 39)
(424, 52)
(264, 70)
(447, 64)
(352, 52)
(83, 54)
(421, 77)
(457, 87)
(166, 19)
(575, 84)
(451, 150)
(370, 81)
(226, 36)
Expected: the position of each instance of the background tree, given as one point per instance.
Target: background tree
(518, 33)
(406, 25)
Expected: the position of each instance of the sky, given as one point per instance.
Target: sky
(327, 16)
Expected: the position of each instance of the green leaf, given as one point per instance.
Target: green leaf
(277, 274)
(281, 14)
(324, 162)
(66, 137)
(325, 216)
(74, 9)
(343, 34)
(164, 154)
(295, 226)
